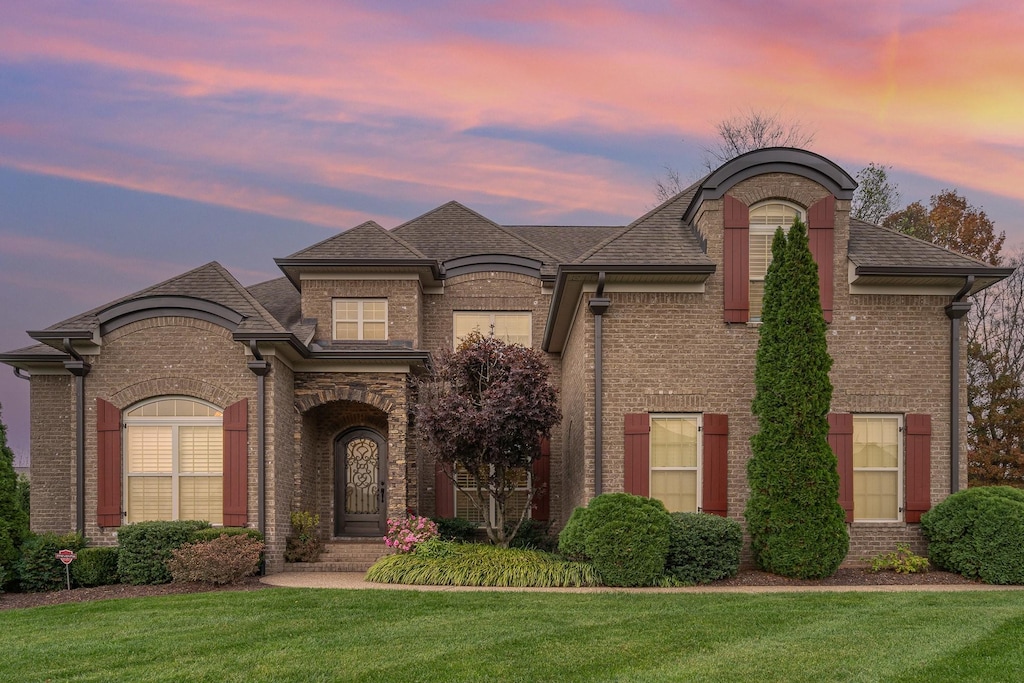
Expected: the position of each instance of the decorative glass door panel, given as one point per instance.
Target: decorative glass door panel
(361, 477)
(360, 467)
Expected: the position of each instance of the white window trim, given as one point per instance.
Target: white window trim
(359, 317)
(700, 454)
(172, 422)
(492, 509)
(901, 502)
(493, 315)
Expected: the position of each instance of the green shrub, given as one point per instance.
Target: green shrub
(445, 563)
(222, 560)
(534, 534)
(703, 548)
(572, 542)
(38, 568)
(902, 561)
(977, 533)
(146, 547)
(3, 578)
(95, 567)
(626, 538)
(456, 529)
(210, 533)
(304, 544)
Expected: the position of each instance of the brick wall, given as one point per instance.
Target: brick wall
(403, 304)
(282, 461)
(577, 414)
(52, 400)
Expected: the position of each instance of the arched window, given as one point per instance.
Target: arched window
(765, 218)
(174, 460)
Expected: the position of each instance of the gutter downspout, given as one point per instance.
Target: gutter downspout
(19, 373)
(598, 306)
(955, 310)
(79, 368)
(260, 368)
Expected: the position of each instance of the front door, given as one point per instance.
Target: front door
(360, 467)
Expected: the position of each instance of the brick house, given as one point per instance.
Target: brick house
(201, 398)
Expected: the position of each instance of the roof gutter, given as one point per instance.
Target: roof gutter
(955, 310)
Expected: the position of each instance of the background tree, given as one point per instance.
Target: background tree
(951, 222)
(995, 382)
(796, 524)
(754, 129)
(876, 196)
(485, 412)
(13, 517)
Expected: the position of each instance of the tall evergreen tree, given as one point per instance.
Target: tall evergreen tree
(796, 524)
(13, 516)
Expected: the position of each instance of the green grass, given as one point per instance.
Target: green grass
(333, 635)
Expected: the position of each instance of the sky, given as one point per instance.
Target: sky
(140, 139)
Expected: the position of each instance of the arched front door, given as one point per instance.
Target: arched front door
(360, 472)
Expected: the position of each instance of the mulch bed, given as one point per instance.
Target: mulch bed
(746, 577)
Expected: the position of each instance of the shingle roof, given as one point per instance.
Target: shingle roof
(452, 230)
(367, 240)
(211, 282)
(872, 245)
(281, 300)
(566, 242)
(656, 238)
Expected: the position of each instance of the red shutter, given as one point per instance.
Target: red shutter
(444, 493)
(821, 221)
(736, 259)
(108, 460)
(236, 463)
(542, 482)
(638, 454)
(715, 471)
(840, 438)
(917, 469)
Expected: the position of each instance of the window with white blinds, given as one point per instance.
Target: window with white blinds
(174, 461)
(765, 219)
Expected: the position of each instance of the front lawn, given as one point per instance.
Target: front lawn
(331, 635)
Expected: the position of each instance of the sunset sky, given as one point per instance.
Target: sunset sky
(140, 139)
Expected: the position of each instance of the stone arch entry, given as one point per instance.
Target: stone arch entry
(360, 483)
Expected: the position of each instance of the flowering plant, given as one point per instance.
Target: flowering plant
(404, 534)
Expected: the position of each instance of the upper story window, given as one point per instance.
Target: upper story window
(361, 319)
(765, 218)
(174, 461)
(508, 326)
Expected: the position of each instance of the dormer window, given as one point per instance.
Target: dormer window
(361, 319)
(765, 218)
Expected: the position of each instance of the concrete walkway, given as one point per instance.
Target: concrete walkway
(355, 580)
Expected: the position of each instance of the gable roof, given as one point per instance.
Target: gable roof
(567, 242)
(367, 240)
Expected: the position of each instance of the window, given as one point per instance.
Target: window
(764, 220)
(174, 461)
(361, 319)
(510, 327)
(465, 509)
(675, 470)
(877, 467)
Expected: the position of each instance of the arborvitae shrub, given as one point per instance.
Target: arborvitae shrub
(797, 527)
(95, 567)
(38, 568)
(222, 560)
(978, 533)
(572, 543)
(145, 548)
(626, 537)
(703, 548)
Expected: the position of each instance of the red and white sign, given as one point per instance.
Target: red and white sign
(66, 556)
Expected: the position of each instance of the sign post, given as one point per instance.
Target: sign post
(67, 557)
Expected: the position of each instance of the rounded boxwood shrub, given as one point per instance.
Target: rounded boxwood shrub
(627, 537)
(703, 548)
(145, 548)
(977, 533)
(38, 568)
(572, 541)
(95, 567)
(210, 533)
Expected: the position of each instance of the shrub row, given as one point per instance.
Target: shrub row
(634, 541)
(220, 560)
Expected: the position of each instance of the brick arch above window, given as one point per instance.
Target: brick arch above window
(173, 386)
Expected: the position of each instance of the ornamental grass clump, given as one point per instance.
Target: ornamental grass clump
(404, 534)
(443, 563)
